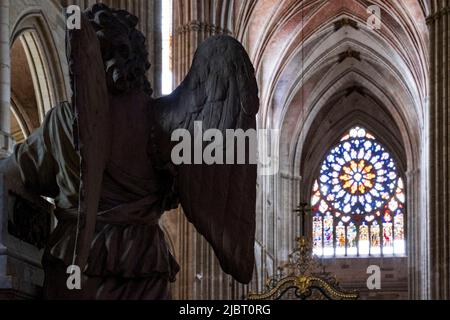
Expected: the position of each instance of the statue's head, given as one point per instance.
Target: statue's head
(123, 49)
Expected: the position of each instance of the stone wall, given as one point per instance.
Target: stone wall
(5, 79)
(352, 275)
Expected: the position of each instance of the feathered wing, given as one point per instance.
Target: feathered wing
(221, 92)
(91, 129)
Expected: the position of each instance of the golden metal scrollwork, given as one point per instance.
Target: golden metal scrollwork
(304, 278)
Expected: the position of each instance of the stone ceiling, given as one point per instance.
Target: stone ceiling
(320, 59)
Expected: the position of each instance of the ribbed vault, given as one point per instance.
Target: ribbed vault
(322, 68)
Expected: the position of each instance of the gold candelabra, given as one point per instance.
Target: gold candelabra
(303, 277)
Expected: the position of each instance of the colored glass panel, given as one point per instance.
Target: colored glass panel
(360, 197)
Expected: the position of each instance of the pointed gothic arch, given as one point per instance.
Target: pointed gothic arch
(38, 82)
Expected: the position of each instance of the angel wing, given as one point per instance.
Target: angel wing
(92, 129)
(221, 91)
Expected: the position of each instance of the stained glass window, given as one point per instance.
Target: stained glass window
(358, 200)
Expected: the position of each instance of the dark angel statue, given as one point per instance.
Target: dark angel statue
(105, 158)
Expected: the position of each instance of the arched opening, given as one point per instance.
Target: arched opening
(358, 200)
(37, 81)
(26, 108)
(18, 130)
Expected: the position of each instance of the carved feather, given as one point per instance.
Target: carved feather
(221, 91)
(91, 106)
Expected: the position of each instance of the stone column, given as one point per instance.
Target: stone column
(439, 24)
(194, 22)
(416, 235)
(288, 199)
(5, 80)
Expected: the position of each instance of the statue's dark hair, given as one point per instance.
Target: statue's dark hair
(123, 48)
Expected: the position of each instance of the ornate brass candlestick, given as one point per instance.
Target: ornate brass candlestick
(304, 277)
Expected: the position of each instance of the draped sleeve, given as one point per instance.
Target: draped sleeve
(47, 160)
